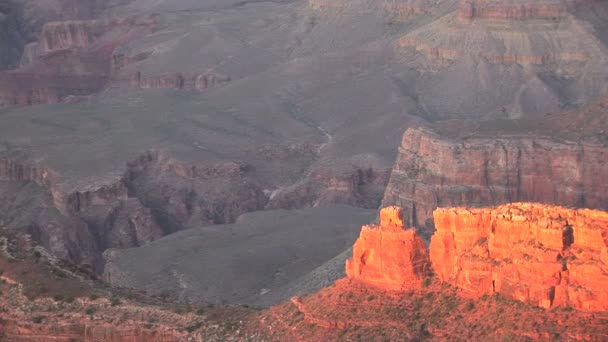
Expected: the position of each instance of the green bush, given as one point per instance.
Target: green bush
(114, 301)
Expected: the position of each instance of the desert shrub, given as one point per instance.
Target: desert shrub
(90, 310)
(114, 301)
(194, 327)
(470, 306)
(427, 282)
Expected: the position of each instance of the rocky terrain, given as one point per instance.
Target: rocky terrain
(140, 124)
(288, 106)
(43, 300)
(262, 259)
(485, 262)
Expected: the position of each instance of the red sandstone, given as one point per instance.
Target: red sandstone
(544, 255)
(389, 256)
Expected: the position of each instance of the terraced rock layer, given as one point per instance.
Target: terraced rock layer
(544, 255)
(431, 172)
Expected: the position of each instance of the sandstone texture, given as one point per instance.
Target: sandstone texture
(389, 256)
(544, 255)
(432, 172)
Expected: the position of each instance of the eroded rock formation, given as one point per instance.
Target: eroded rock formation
(155, 196)
(513, 10)
(432, 172)
(544, 255)
(509, 32)
(194, 82)
(388, 255)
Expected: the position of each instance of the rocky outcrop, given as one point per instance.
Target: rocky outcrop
(155, 196)
(511, 10)
(194, 82)
(77, 34)
(507, 33)
(182, 195)
(432, 172)
(70, 59)
(389, 256)
(357, 186)
(11, 35)
(544, 255)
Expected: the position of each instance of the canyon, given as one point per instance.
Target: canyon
(177, 146)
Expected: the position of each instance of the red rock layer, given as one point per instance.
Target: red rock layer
(469, 10)
(389, 256)
(433, 171)
(196, 82)
(68, 332)
(515, 10)
(544, 255)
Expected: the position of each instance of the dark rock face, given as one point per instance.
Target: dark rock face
(359, 187)
(432, 172)
(156, 196)
(11, 35)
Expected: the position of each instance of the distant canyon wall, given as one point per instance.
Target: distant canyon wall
(431, 172)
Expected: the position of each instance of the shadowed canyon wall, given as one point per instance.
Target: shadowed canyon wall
(432, 172)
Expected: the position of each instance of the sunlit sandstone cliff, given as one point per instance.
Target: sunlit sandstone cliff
(432, 171)
(388, 255)
(545, 255)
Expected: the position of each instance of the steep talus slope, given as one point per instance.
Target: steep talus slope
(432, 172)
(240, 263)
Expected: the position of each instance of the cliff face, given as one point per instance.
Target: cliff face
(359, 187)
(193, 82)
(11, 37)
(387, 255)
(432, 172)
(69, 34)
(70, 58)
(548, 256)
(512, 10)
(155, 196)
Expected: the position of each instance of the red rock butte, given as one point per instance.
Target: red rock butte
(388, 255)
(545, 255)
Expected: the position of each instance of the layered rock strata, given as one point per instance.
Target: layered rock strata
(544, 255)
(179, 81)
(389, 256)
(509, 32)
(515, 10)
(155, 196)
(432, 172)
